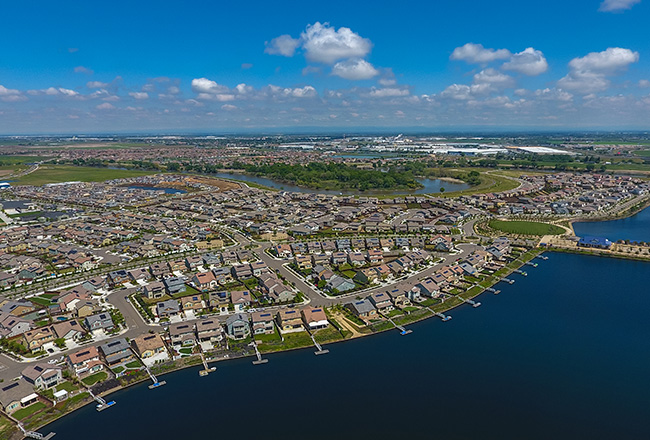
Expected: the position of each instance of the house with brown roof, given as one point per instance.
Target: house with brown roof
(85, 360)
(35, 339)
(289, 320)
(262, 323)
(43, 375)
(314, 317)
(148, 345)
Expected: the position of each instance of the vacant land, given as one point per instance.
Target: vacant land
(489, 183)
(65, 173)
(525, 228)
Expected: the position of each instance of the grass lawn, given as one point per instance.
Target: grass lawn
(182, 350)
(41, 301)
(22, 414)
(66, 173)
(68, 386)
(7, 428)
(266, 339)
(135, 364)
(94, 378)
(525, 228)
(118, 370)
(643, 153)
(489, 183)
(329, 334)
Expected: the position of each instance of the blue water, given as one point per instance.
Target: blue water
(635, 228)
(562, 353)
(429, 186)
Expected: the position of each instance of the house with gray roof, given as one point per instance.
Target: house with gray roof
(237, 326)
(165, 309)
(362, 309)
(43, 375)
(100, 321)
(16, 394)
(117, 352)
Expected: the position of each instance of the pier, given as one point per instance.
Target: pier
(317, 345)
(34, 434)
(508, 280)
(259, 360)
(530, 263)
(542, 257)
(101, 403)
(520, 272)
(471, 302)
(442, 316)
(402, 330)
(206, 369)
(495, 291)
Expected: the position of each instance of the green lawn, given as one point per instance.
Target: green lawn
(22, 414)
(118, 370)
(525, 228)
(643, 153)
(134, 364)
(66, 173)
(94, 378)
(68, 386)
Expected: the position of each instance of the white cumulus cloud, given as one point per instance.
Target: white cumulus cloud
(139, 95)
(589, 74)
(354, 69)
(477, 54)
(105, 106)
(388, 92)
(284, 45)
(617, 5)
(530, 62)
(325, 44)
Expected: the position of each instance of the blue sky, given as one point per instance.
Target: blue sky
(206, 66)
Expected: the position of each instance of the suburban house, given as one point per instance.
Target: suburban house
(35, 339)
(209, 330)
(314, 317)
(11, 325)
(382, 302)
(204, 281)
(175, 285)
(16, 394)
(70, 330)
(43, 375)
(85, 360)
(165, 309)
(154, 290)
(193, 302)
(241, 299)
(101, 321)
(182, 333)
(237, 326)
(262, 323)
(116, 352)
(289, 321)
(148, 345)
(362, 309)
(399, 297)
(428, 288)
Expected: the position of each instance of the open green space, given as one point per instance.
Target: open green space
(489, 183)
(23, 413)
(525, 227)
(94, 378)
(66, 173)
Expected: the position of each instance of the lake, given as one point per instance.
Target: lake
(635, 228)
(562, 353)
(429, 186)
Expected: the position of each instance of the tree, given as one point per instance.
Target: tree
(442, 190)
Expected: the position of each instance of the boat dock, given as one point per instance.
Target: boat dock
(402, 330)
(520, 272)
(206, 369)
(495, 291)
(530, 263)
(317, 345)
(101, 403)
(153, 378)
(542, 257)
(34, 434)
(259, 360)
(442, 316)
(471, 302)
(508, 280)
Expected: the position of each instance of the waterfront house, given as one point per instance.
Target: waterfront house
(209, 330)
(399, 297)
(182, 333)
(116, 352)
(16, 394)
(43, 375)
(237, 326)
(382, 302)
(148, 345)
(314, 318)
(289, 320)
(362, 309)
(428, 288)
(85, 360)
(262, 323)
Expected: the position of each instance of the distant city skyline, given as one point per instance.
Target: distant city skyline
(267, 67)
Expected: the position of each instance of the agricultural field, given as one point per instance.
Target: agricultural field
(66, 173)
